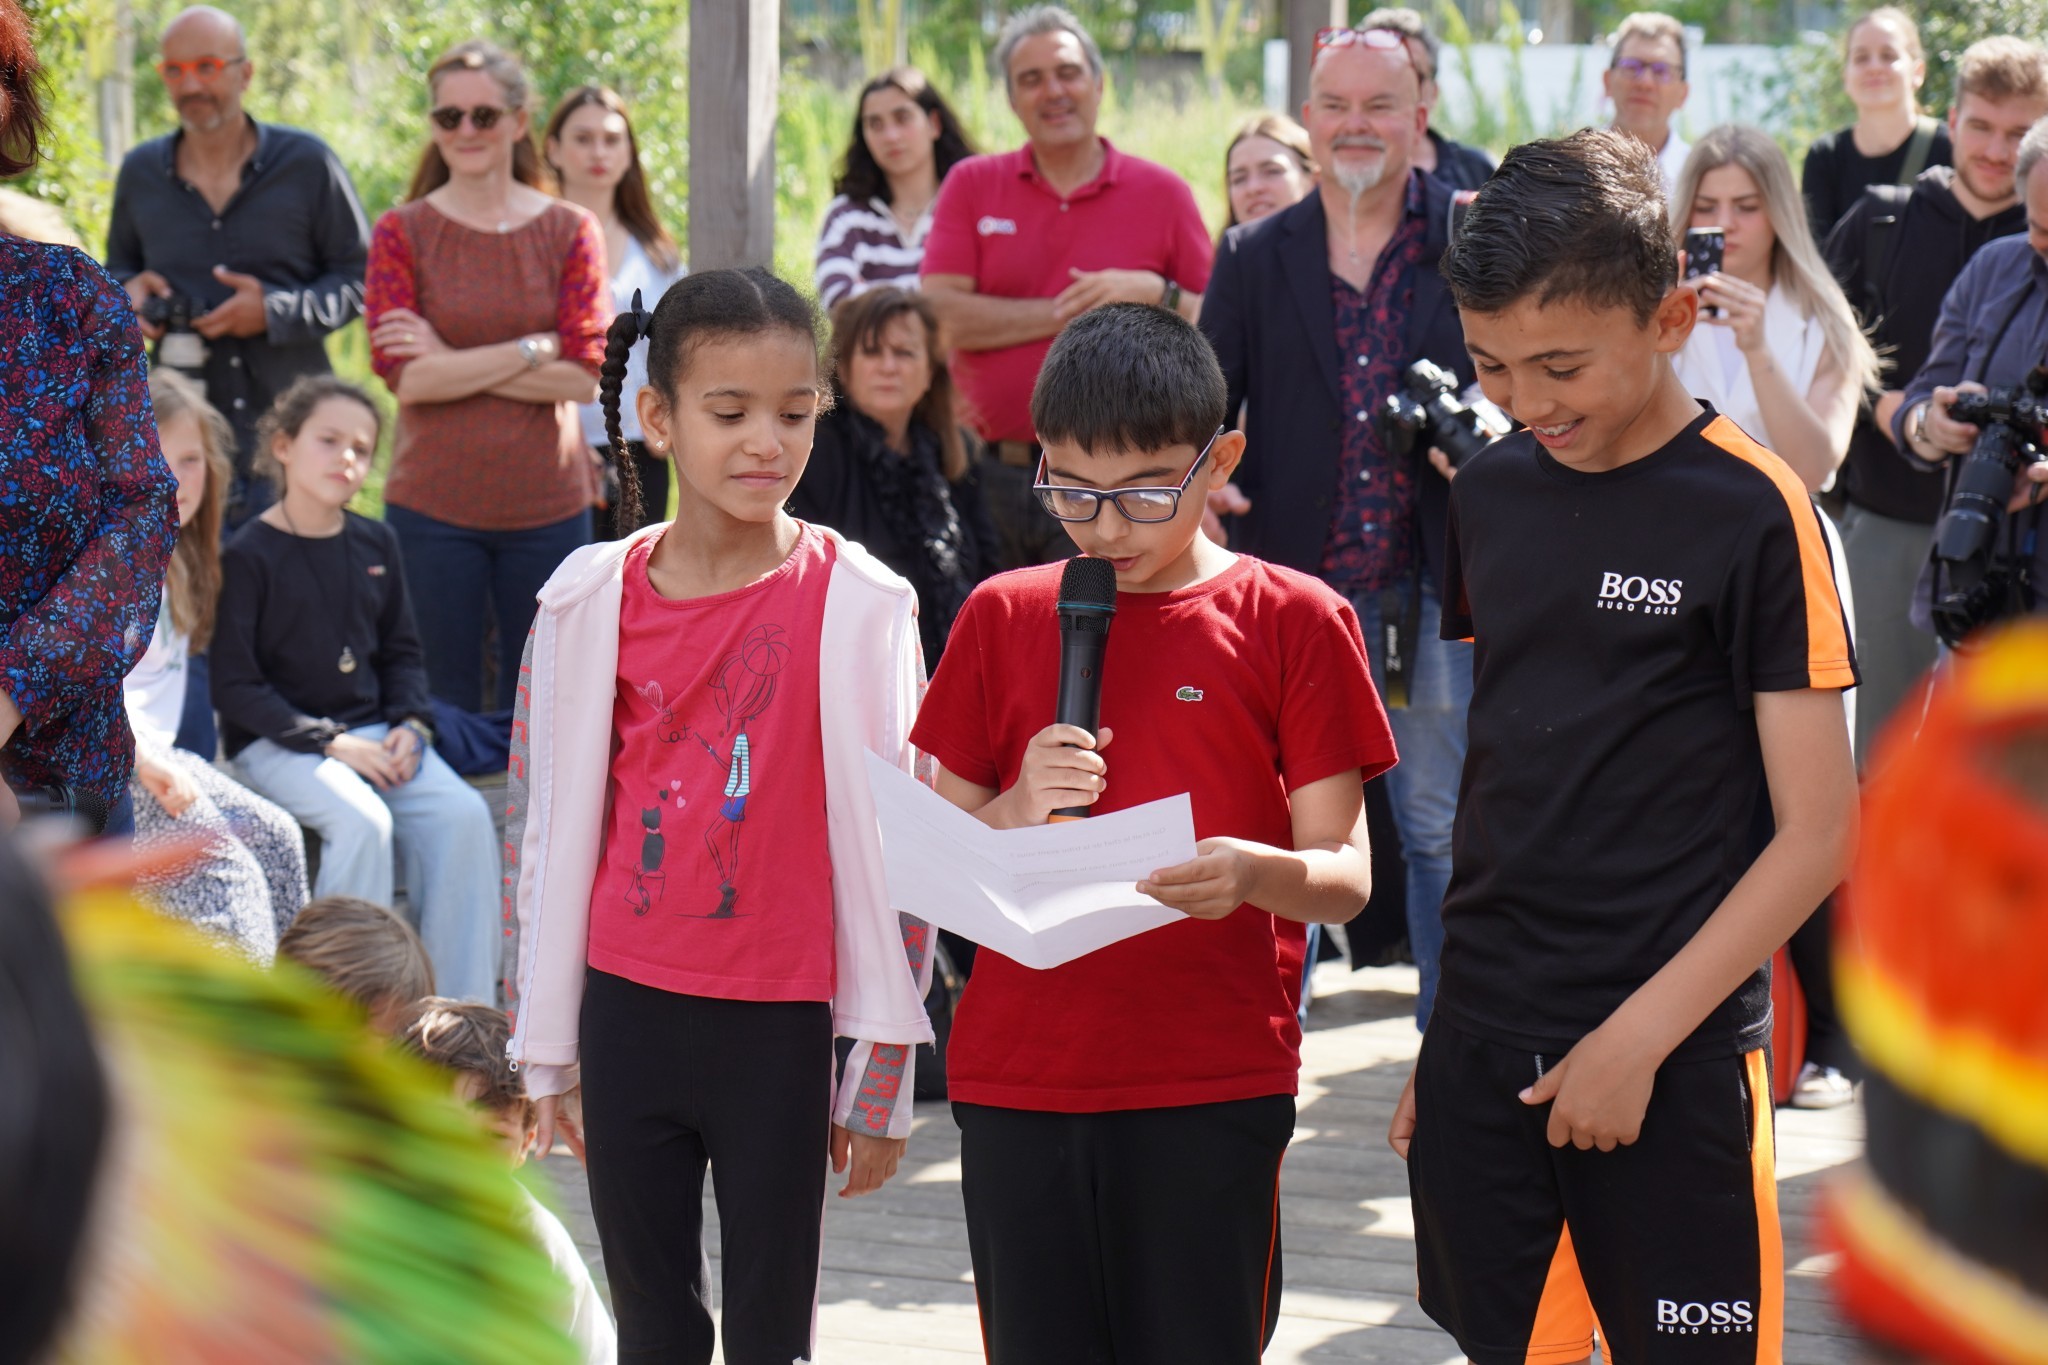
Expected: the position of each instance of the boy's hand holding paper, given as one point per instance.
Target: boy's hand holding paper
(1040, 895)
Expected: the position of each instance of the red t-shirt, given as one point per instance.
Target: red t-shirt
(715, 878)
(998, 222)
(1237, 691)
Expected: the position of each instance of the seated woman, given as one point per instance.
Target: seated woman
(889, 466)
(322, 693)
(249, 877)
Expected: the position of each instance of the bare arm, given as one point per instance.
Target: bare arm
(445, 376)
(1599, 1092)
(558, 381)
(1812, 781)
(982, 322)
(1809, 431)
(1323, 879)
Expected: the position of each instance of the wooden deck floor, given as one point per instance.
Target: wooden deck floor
(897, 1288)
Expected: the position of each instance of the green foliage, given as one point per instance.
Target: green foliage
(1949, 26)
(73, 175)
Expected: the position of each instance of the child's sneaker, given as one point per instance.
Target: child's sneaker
(1821, 1087)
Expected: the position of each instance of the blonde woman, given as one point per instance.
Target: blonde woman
(1783, 355)
(1784, 359)
(247, 877)
(1891, 141)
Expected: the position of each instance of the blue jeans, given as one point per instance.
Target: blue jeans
(440, 827)
(451, 572)
(1423, 787)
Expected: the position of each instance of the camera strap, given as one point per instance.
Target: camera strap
(1400, 632)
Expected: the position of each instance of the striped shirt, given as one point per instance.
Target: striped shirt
(860, 246)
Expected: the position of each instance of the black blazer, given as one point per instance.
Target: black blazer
(1267, 312)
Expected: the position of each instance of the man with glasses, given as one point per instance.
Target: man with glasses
(1646, 80)
(1316, 313)
(245, 239)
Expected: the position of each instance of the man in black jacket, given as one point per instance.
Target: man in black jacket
(1316, 313)
(1896, 252)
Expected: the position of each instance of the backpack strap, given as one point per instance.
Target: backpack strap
(1917, 149)
(1880, 237)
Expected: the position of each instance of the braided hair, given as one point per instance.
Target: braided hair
(696, 309)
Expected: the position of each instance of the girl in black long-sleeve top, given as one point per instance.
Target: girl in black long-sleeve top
(321, 687)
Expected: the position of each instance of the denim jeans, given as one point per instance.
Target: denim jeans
(437, 824)
(1423, 787)
(451, 572)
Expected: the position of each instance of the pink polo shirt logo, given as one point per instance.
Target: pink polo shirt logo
(991, 226)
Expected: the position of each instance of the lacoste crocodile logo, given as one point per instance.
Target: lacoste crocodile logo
(1188, 694)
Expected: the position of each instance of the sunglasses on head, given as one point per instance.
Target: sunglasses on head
(481, 118)
(1380, 39)
(205, 68)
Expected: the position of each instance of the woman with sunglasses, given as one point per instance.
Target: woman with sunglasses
(591, 149)
(487, 301)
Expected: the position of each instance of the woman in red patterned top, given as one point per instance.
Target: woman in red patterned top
(487, 305)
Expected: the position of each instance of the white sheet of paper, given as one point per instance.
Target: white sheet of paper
(1039, 896)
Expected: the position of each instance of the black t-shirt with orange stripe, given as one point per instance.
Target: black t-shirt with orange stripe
(1613, 789)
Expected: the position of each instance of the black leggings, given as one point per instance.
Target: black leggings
(671, 1082)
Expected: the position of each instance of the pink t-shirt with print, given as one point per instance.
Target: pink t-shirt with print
(715, 878)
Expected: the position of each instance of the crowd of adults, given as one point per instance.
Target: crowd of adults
(1850, 308)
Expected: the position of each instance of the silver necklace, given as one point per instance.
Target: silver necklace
(347, 662)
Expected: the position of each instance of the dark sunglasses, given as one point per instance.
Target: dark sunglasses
(1382, 39)
(1070, 503)
(482, 118)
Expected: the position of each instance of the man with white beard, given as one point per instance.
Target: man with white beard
(1316, 313)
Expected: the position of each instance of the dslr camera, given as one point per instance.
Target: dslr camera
(180, 347)
(1427, 411)
(1978, 580)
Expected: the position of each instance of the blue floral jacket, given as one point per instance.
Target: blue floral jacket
(88, 515)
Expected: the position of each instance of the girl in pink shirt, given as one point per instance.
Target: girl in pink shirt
(696, 923)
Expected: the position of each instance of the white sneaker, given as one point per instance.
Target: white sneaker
(1821, 1087)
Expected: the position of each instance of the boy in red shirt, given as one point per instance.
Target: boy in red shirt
(1123, 1116)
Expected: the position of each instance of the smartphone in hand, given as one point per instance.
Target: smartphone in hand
(1703, 249)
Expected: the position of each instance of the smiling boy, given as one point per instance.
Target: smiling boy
(1658, 790)
(1123, 1116)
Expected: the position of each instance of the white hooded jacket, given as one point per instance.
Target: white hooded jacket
(561, 772)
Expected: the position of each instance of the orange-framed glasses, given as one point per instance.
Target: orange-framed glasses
(205, 68)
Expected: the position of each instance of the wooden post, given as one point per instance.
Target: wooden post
(734, 61)
(1304, 17)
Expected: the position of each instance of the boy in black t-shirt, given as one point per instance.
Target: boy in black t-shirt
(1658, 790)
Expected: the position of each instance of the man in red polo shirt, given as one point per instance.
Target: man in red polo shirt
(1024, 242)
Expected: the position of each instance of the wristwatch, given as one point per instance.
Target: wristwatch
(423, 731)
(1916, 425)
(1169, 298)
(530, 352)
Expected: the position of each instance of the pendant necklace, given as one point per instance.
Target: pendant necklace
(347, 662)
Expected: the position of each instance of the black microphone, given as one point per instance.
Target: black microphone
(1087, 604)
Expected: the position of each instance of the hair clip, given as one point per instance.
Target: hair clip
(640, 318)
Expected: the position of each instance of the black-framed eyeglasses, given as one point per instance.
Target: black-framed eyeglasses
(1384, 39)
(1071, 503)
(482, 118)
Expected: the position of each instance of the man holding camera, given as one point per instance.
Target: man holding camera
(1316, 313)
(1992, 334)
(1896, 252)
(242, 245)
